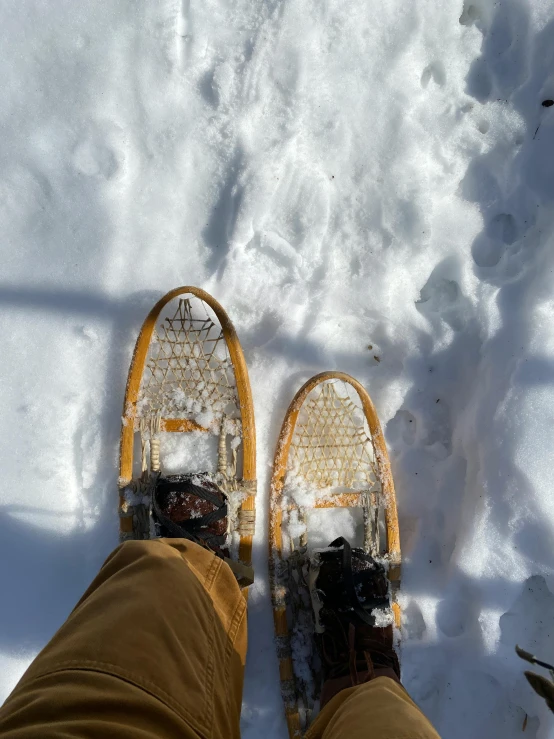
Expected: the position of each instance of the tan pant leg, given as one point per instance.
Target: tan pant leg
(378, 709)
(155, 648)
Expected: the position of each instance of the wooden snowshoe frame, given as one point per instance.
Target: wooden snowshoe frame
(131, 422)
(314, 467)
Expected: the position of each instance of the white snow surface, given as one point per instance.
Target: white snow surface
(340, 176)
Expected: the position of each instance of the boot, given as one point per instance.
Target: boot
(354, 631)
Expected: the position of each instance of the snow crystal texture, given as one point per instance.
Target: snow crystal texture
(365, 186)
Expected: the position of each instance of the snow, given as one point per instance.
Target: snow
(382, 618)
(340, 177)
(296, 491)
(326, 524)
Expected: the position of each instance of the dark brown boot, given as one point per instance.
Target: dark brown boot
(193, 507)
(353, 619)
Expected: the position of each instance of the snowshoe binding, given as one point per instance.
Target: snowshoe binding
(353, 619)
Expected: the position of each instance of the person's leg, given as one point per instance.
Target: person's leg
(155, 648)
(378, 709)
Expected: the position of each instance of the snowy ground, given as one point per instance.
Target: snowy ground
(340, 176)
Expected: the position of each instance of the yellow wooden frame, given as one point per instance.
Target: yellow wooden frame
(345, 500)
(130, 423)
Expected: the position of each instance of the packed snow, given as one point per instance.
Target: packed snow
(365, 186)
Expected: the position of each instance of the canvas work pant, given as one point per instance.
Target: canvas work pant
(155, 649)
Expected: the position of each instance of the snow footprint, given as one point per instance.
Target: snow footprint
(503, 228)
(402, 428)
(483, 126)
(501, 231)
(208, 87)
(441, 298)
(439, 293)
(439, 431)
(96, 154)
(470, 15)
(529, 621)
(479, 81)
(436, 72)
(458, 614)
(297, 218)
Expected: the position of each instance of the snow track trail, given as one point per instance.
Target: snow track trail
(365, 188)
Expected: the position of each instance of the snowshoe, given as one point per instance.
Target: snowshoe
(188, 403)
(331, 459)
